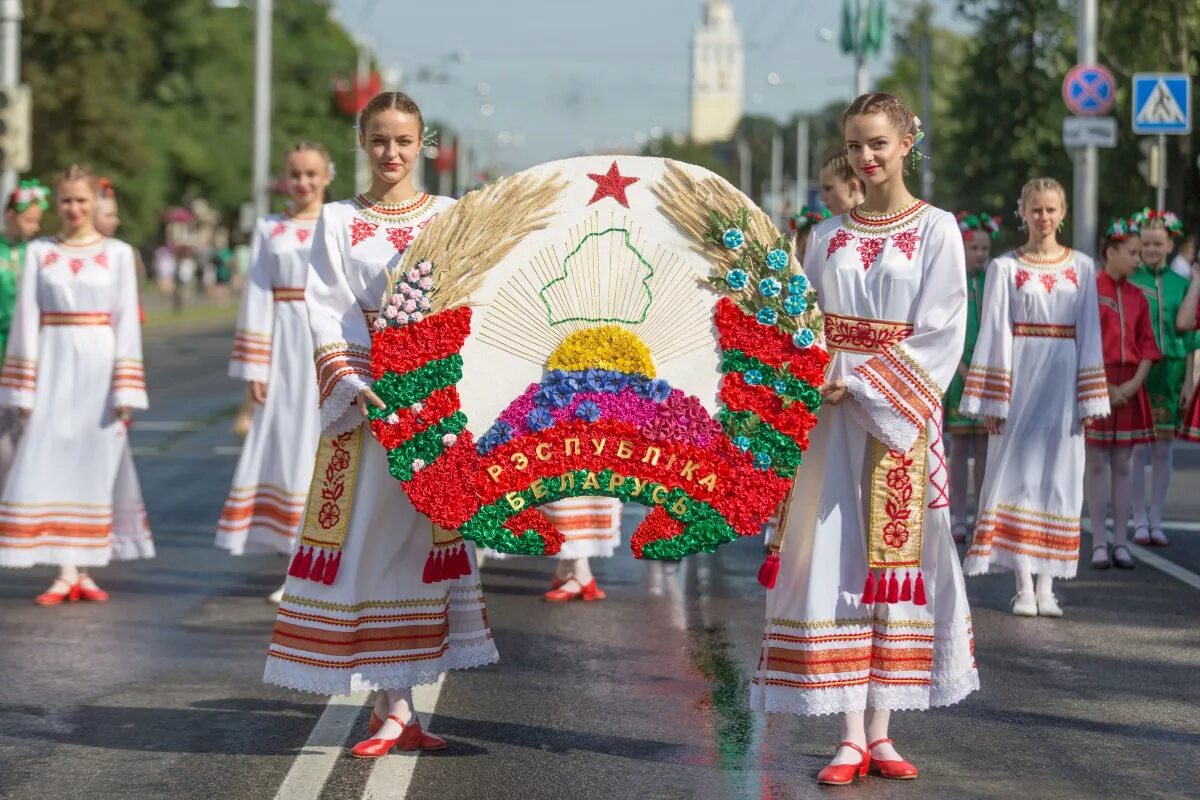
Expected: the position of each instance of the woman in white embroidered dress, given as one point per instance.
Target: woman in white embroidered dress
(74, 370)
(890, 280)
(370, 622)
(272, 352)
(1037, 376)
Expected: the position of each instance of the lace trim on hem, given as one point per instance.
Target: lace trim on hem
(856, 699)
(328, 681)
(1095, 408)
(337, 414)
(978, 409)
(878, 417)
(240, 370)
(132, 549)
(1003, 561)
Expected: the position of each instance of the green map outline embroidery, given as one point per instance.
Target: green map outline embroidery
(566, 274)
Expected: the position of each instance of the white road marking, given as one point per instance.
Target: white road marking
(325, 745)
(168, 425)
(393, 774)
(1163, 565)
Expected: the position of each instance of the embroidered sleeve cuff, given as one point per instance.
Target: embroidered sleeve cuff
(245, 371)
(1092, 393)
(340, 413)
(251, 356)
(18, 382)
(986, 392)
(896, 393)
(876, 415)
(343, 370)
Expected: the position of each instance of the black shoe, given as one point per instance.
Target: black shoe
(1107, 562)
(1122, 558)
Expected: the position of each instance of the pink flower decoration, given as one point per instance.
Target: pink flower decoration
(417, 408)
(425, 283)
(418, 464)
(410, 306)
(397, 299)
(416, 316)
(424, 267)
(401, 317)
(390, 312)
(392, 419)
(379, 324)
(449, 439)
(413, 276)
(423, 304)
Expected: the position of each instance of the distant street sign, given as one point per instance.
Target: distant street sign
(1089, 90)
(1089, 132)
(1162, 103)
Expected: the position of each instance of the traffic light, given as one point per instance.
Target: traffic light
(1149, 166)
(15, 106)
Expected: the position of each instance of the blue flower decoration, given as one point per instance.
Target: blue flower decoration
(659, 390)
(769, 287)
(797, 284)
(803, 338)
(539, 419)
(555, 396)
(780, 387)
(777, 259)
(592, 379)
(762, 460)
(742, 442)
(737, 279)
(587, 411)
(495, 436)
(753, 377)
(733, 239)
(767, 316)
(795, 304)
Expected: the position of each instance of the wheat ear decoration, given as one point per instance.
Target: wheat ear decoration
(686, 201)
(477, 232)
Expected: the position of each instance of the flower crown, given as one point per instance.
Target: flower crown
(1171, 221)
(1119, 229)
(979, 222)
(27, 193)
(807, 217)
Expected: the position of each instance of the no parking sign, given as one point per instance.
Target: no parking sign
(1089, 90)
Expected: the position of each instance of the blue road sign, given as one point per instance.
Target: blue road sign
(1089, 90)
(1162, 103)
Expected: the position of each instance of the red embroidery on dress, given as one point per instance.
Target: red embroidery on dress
(278, 229)
(899, 494)
(839, 240)
(302, 234)
(862, 335)
(333, 487)
(421, 225)
(400, 238)
(1072, 276)
(869, 250)
(76, 265)
(937, 477)
(102, 260)
(360, 229)
(1048, 280)
(1022, 276)
(50, 259)
(907, 241)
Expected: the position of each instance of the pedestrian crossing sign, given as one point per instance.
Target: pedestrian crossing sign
(1162, 103)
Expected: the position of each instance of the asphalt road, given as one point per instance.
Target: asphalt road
(158, 694)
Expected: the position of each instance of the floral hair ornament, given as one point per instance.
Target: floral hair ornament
(27, 193)
(979, 222)
(429, 137)
(918, 137)
(1171, 222)
(332, 169)
(1119, 229)
(107, 190)
(807, 218)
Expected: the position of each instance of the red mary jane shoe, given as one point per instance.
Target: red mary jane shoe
(896, 770)
(92, 593)
(843, 774)
(50, 597)
(588, 593)
(411, 738)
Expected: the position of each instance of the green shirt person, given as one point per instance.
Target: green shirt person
(22, 222)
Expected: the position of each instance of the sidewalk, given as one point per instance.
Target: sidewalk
(198, 308)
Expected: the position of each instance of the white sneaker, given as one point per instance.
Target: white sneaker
(1025, 604)
(1047, 606)
(276, 596)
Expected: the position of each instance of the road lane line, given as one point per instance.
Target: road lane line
(1164, 565)
(393, 774)
(325, 745)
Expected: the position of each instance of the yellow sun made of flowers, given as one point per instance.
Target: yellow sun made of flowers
(605, 347)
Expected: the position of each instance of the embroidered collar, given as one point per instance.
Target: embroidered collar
(1038, 262)
(388, 213)
(861, 221)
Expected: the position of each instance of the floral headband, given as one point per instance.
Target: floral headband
(979, 222)
(1119, 229)
(807, 217)
(1171, 222)
(27, 193)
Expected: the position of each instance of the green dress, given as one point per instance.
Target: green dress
(955, 422)
(11, 258)
(1164, 290)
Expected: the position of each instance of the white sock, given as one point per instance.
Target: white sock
(399, 704)
(1045, 586)
(853, 730)
(1119, 460)
(980, 467)
(583, 571)
(1024, 580)
(1160, 480)
(1096, 490)
(877, 728)
(1137, 484)
(69, 573)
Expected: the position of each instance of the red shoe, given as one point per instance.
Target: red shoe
(93, 593)
(592, 592)
(411, 738)
(587, 592)
(843, 774)
(558, 583)
(896, 770)
(53, 598)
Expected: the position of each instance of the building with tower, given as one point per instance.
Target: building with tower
(717, 74)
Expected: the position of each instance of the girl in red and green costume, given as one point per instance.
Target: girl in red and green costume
(968, 437)
(22, 222)
(1164, 290)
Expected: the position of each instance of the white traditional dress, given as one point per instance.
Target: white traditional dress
(273, 345)
(74, 356)
(1039, 366)
(376, 625)
(873, 485)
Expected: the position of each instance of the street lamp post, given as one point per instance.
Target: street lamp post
(262, 108)
(10, 68)
(1086, 161)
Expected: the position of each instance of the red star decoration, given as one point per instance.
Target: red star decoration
(611, 184)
